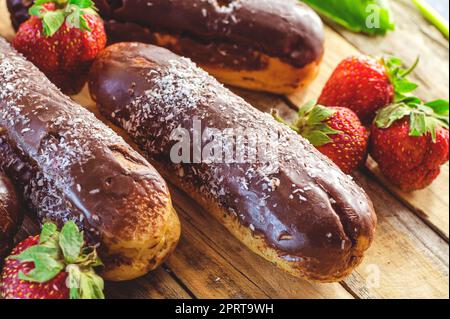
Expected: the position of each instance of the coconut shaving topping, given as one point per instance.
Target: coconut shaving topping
(181, 93)
(56, 140)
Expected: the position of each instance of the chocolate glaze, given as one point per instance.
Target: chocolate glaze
(70, 166)
(209, 54)
(10, 215)
(19, 11)
(307, 209)
(284, 29)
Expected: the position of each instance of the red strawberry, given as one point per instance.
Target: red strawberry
(52, 265)
(62, 38)
(365, 84)
(410, 142)
(15, 288)
(336, 132)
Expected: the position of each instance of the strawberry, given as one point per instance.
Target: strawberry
(336, 132)
(410, 142)
(52, 265)
(62, 38)
(365, 84)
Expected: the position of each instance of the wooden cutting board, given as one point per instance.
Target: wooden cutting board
(410, 255)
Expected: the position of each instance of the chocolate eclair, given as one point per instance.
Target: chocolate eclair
(290, 204)
(267, 45)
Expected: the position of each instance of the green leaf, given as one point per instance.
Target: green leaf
(417, 124)
(49, 232)
(424, 118)
(317, 138)
(432, 125)
(388, 115)
(73, 275)
(91, 286)
(36, 10)
(52, 21)
(84, 25)
(30, 253)
(311, 123)
(83, 4)
(89, 258)
(440, 107)
(405, 87)
(40, 2)
(74, 18)
(84, 283)
(71, 241)
(319, 114)
(397, 76)
(45, 269)
(372, 17)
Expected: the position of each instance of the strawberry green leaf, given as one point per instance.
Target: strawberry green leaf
(424, 118)
(317, 138)
(36, 10)
(49, 232)
(417, 124)
(30, 253)
(84, 25)
(439, 107)
(40, 2)
(390, 114)
(432, 126)
(405, 86)
(57, 251)
(84, 283)
(45, 269)
(89, 258)
(71, 241)
(52, 21)
(319, 114)
(73, 276)
(311, 123)
(91, 286)
(398, 77)
(83, 4)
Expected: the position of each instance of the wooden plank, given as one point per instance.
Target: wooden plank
(406, 260)
(158, 284)
(432, 203)
(272, 281)
(205, 272)
(410, 258)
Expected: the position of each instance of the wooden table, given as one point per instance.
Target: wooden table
(410, 255)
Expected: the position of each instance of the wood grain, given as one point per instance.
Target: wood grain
(409, 257)
(269, 279)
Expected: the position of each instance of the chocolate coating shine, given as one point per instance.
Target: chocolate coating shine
(299, 202)
(10, 215)
(284, 29)
(70, 166)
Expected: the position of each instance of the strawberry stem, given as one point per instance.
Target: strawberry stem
(411, 69)
(71, 12)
